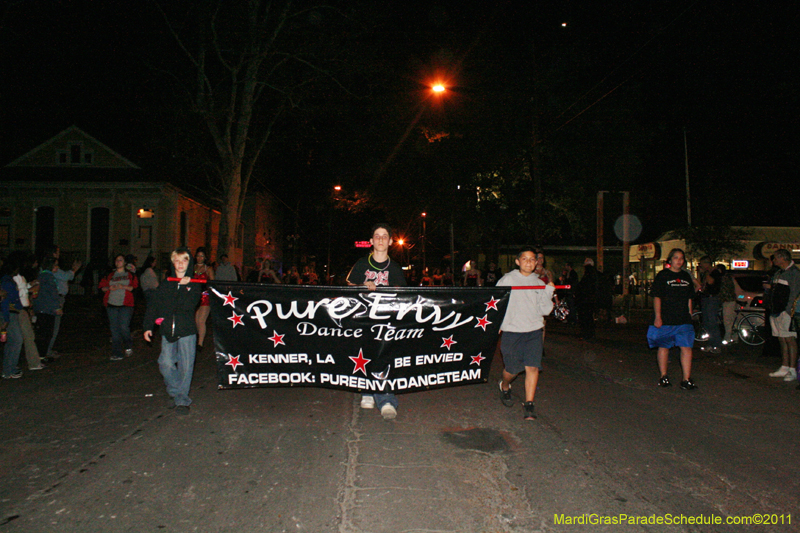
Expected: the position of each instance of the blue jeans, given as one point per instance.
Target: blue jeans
(119, 318)
(13, 345)
(56, 328)
(176, 363)
(383, 399)
(710, 305)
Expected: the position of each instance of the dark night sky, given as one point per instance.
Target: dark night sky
(725, 71)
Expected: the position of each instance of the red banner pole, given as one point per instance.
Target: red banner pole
(541, 287)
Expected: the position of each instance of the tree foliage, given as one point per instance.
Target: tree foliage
(247, 66)
(714, 241)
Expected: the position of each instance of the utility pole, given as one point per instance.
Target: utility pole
(424, 262)
(335, 198)
(626, 238)
(600, 229)
(688, 195)
(626, 241)
(537, 187)
(452, 249)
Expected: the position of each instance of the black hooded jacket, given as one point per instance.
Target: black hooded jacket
(176, 304)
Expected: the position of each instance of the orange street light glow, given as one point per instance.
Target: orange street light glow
(438, 88)
(400, 242)
(337, 188)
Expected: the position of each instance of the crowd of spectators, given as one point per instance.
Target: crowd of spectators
(34, 290)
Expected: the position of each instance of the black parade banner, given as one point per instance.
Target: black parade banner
(388, 340)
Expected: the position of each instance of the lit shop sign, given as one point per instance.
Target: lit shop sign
(363, 244)
(764, 250)
(740, 264)
(651, 250)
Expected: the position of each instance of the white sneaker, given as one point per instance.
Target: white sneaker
(781, 372)
(388, 412)
(129, 352)
(367, 402)
(791, 376)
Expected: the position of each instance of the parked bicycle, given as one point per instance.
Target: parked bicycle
(749, 326)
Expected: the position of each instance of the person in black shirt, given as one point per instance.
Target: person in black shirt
(378, 270)
(711, 282)
(571, 279)
(492, 276)
(673, 290)
(174, 303)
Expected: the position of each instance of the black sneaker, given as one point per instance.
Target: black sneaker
(688, 385)
(181, 409)
(528, 410)
(505, 395)
(664, 381)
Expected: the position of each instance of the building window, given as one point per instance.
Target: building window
(75, 156)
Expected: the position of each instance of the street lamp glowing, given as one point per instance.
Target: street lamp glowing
(400, 242)
(337, 188)
(438, 88)
(424, 215)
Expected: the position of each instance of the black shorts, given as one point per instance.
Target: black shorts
(522, 349)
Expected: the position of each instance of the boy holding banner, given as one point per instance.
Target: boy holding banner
(378, 270)
(174, 304)
(522, 342)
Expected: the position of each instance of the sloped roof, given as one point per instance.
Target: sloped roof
(46, 154)
(41, 165)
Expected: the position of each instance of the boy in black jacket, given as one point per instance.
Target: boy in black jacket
(174, 303)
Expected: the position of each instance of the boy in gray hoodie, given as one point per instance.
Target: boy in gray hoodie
(523, 339)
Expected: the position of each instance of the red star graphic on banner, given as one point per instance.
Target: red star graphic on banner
(492, 304)
(361, 362)
(277, 339)
(482, 322)
(447, 343)
(236, 319)
(476, 359)
(233, 362)
(229, 299)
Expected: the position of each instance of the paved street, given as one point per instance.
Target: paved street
(89, 445)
